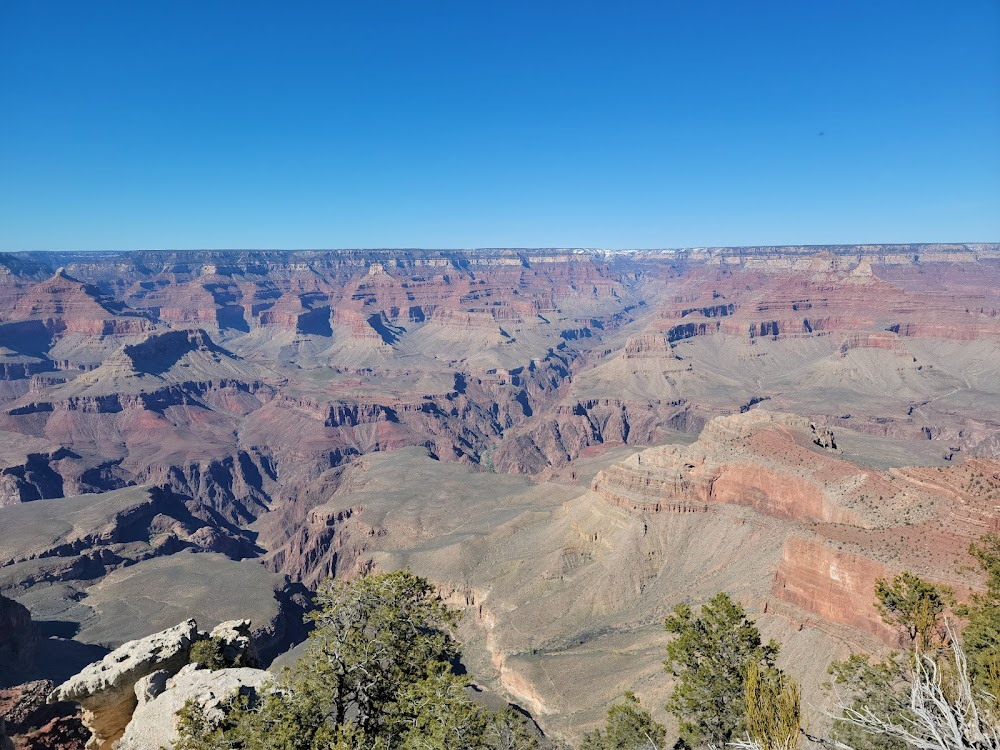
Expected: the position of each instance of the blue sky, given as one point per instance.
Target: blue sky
(481, 124)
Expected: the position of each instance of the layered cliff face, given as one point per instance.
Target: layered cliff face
(876, 341)
(873, 338)
(779, 465)
(853, 522)
(64, 305)
(833, 585)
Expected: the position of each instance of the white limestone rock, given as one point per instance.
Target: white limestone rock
(106, 690)
(151, 686)
(154, 723)
(237, 643)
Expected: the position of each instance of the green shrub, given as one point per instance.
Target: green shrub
(208, 654)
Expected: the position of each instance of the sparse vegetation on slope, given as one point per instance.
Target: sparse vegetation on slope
(378, 673)
(981, 636)
(383, 670)
(940, 693)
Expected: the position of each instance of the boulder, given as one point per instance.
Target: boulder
(106, 690)
(237, 643)
(150, 686)
(154, 723)
(823, 437)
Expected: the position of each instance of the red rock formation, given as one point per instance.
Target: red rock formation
(32, 724)
(64, 305)
(297, 312)
(855, 525)
(835, 585)
(756, 459)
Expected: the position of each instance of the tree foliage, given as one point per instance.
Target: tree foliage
(209, 654)
(881, 686)
(774, 711)
(986, 552)
(942, 693)
(628, 727)
(915, 606)
(376, 675)
(942, 716)
(373, 637)
(710, 655)
(981, 637)
(282, 720)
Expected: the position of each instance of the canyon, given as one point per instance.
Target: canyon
(568, 443)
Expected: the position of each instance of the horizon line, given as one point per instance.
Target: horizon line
(553, 248)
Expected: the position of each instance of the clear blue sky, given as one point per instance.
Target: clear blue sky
(506, 123)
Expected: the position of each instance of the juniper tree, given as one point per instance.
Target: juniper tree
(945, 710)
(376, 674)
(374, 636)
(981, 636)
(710, 655)
(881, 686)
(628, 727)
(915, 606)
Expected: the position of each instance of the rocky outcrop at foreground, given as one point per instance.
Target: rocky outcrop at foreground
(154, 723)
(106, 689)
(109, 691)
